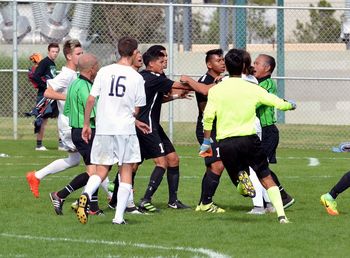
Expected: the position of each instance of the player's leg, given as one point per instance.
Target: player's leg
(40, 136)
(258, 200)
(328, 199)
(34, 177)
(270, 140)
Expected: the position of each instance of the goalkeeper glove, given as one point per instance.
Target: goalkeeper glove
(205, 149)
(294, 105)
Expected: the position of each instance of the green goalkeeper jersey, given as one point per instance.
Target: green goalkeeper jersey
(74, 108)
(267, 114)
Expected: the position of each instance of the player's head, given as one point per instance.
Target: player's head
(53, 50)
(215, 62)
(234, 62)
(163, 50)
(264, 65)
(248, 69)
(72, 49)
(137, 62)
(127, 47)
(154, 61)
(88, 66)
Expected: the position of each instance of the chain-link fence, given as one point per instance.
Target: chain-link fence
(308, 44)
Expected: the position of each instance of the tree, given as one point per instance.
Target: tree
(323, 26)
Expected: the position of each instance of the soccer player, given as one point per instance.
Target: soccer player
(264, 66)
(233, 102)
(74, 108)
(156, 145)
(57, 89)
(214, 167)
(121, 93)
(328, 199)
(45, 70)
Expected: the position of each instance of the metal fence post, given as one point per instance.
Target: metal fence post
(241, 25)
(171, 65)
(14, 71)
(280, 58)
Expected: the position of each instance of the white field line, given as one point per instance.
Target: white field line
(313, 162)
(203, 251)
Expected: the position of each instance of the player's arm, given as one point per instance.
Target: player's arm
(50, 93)
(86, 132)
(272, 100)
(196, 86)
(38, 74)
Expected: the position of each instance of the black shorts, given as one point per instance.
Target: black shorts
(155, 144)
(83, 147)
(240, 153)
(269, 142)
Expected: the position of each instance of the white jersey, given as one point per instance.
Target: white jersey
(120, 89)
(60, 84)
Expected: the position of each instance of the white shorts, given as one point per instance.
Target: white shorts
(66, 138)
(112, 149)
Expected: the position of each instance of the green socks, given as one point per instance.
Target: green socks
(275, 197)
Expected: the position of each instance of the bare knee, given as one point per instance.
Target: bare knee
(217, 167)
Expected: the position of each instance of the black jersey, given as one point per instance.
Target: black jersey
(205, 79)
(156, 86)
(46, 70)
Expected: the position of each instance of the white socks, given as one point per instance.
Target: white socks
(123, 196)
(92, 185)
(59, 165)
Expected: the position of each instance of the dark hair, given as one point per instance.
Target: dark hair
(126, 46)
(156, 48)
(234, 61)
(53, 45)
(69, 46)
(247, 61)
(213, 52)
(270, 61)
(152, 55)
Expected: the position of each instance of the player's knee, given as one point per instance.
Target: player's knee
(173, 159)
(73, 159)
(217, 168)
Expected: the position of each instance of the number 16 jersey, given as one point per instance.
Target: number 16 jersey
(120, 89)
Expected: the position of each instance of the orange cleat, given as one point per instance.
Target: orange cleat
(33, 183)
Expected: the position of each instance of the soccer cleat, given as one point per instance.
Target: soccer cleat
(33, 183)
(288, 201)
(41, 148)
(283, 220)
(242, 191)
(269, 208)
(147, 206)
(96, 213)
(210, 207)
(246, 184)
(119, 223)
(57, 203)
(82, 211)
(135, 210)
(177, 205)
(330, 204)
(257, 211)
(74, 206)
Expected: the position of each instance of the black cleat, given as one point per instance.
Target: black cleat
(57, 203)
(177, 205)
(288, 201)
(147, 206)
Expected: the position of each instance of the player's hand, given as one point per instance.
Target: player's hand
(205, 149)
(294, 105)
(86, 134)
(143, 127)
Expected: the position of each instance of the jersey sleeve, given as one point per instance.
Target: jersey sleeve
(96, 87)
(209, 111)
(140, 94)
(60, 82)
(270, 99)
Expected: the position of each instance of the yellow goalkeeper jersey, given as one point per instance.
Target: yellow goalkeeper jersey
(233, 102)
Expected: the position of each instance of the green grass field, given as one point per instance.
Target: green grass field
(30, 228)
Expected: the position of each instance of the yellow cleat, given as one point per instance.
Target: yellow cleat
(330, 204)
(211, 208)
